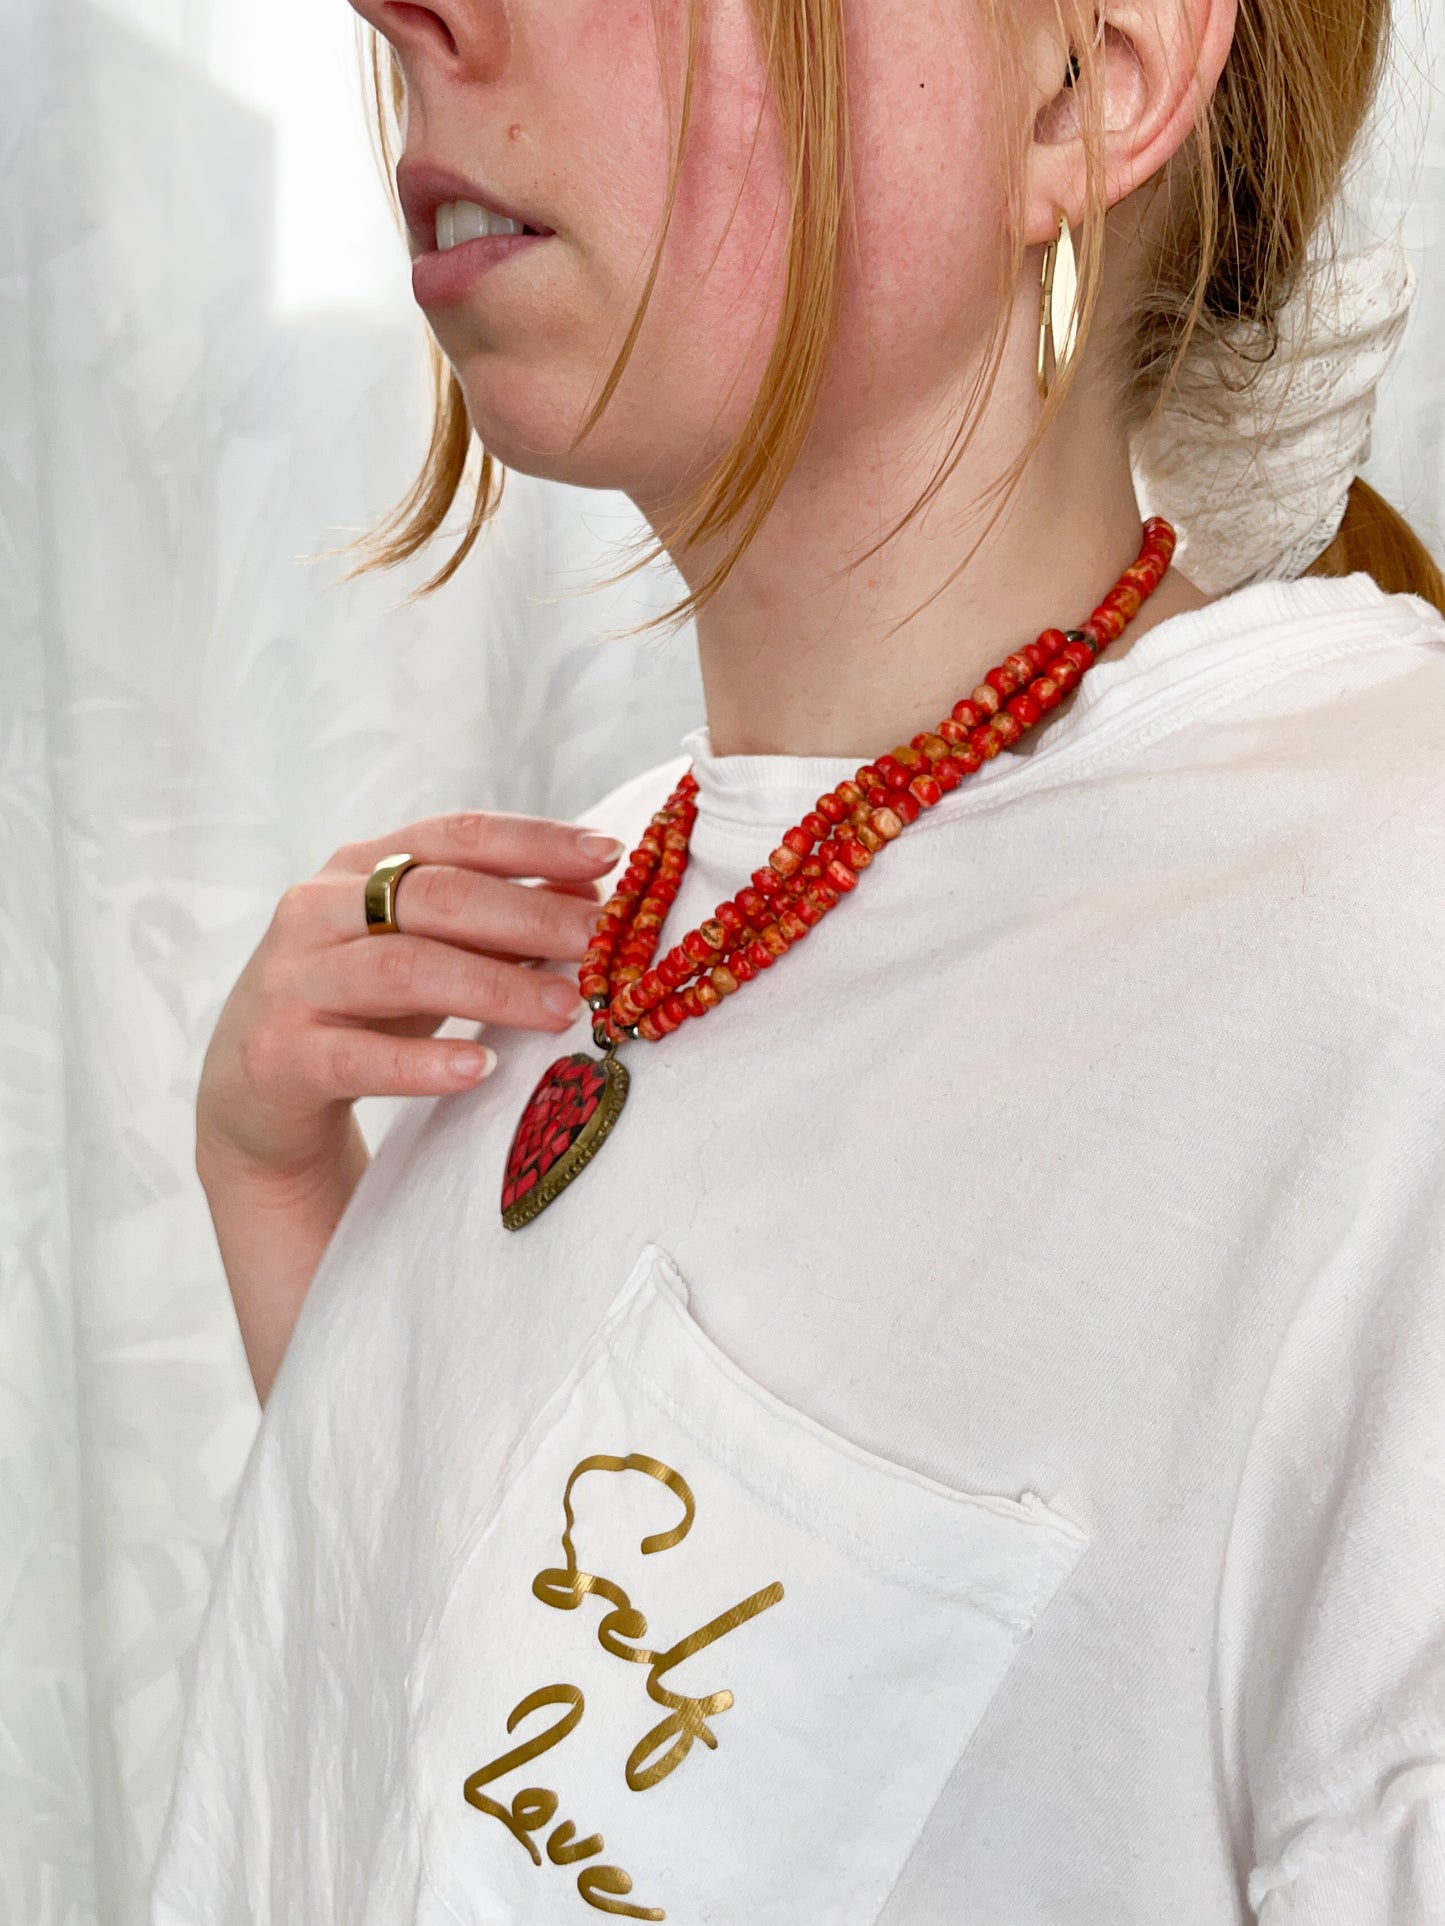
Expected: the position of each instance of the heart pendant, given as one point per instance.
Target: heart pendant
(565, 1123)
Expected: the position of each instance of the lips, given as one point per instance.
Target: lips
(424, 187)
(442, 276)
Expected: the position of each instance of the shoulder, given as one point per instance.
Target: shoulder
(1338, 708)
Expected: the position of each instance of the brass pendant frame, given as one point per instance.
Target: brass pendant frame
(577, 1155)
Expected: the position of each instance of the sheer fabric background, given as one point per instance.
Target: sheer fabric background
(209, 367)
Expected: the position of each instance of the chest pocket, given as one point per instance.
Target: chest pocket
(707, 1661)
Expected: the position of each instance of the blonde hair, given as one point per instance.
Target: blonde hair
(1245, 194)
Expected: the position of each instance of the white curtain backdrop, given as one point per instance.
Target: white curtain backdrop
(209, 367)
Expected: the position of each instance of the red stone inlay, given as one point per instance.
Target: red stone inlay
(557, 1112)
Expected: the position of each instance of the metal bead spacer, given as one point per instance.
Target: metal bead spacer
(1078, 635)
(599, 1002)
(601, 1038)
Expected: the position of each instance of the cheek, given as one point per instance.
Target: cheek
(931, 194)
(713, 309)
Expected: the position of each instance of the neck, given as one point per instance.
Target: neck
(796, 651)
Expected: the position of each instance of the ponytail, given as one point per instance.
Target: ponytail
(1377, 539)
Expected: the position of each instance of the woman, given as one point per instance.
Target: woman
(965, 1445)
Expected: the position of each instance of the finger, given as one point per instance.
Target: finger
(406, 975)
(343, 1063)
(492, 841)
(462, 906)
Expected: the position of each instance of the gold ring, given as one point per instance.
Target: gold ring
(381, 893)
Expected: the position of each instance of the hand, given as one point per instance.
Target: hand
(325, 1012)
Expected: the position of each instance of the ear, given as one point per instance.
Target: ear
(1156, 63)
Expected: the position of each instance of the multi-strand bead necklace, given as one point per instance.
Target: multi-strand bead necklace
(818, 862)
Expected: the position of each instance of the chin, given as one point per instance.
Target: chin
(531, 432)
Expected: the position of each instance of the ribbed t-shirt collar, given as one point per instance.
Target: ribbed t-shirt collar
(1181, 659)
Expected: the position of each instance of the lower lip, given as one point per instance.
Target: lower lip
(443, 276)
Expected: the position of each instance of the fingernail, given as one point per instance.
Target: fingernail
(562, 997)
(474, 1064)
(598, 848)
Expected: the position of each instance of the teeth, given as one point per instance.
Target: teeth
(459, 221)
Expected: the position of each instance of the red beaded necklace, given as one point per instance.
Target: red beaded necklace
(580, 1098)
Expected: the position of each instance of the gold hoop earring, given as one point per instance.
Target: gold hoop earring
(1058, 307)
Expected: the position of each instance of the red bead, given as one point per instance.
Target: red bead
(818, 859)
(1045, 691)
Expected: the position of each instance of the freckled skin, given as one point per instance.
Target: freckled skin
(566, 113)
(820, 641)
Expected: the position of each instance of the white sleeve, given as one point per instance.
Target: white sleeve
(1331, 1648)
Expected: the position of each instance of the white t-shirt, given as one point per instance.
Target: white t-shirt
(994, 1372)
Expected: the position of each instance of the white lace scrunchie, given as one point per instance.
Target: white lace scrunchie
(1256, 479)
